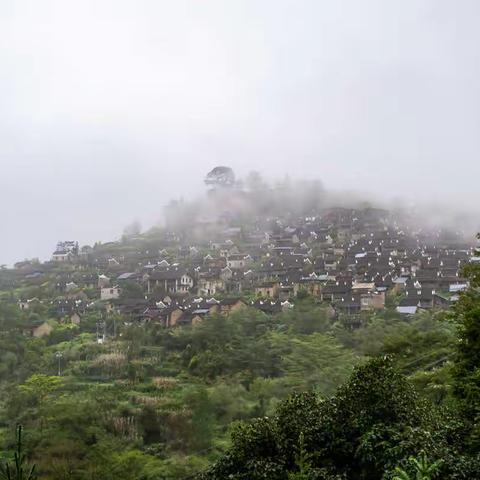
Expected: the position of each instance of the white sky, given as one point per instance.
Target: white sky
(108, 108)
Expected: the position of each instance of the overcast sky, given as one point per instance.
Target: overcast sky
(108, 108)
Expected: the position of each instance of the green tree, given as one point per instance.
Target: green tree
(131, 290)
(467, 361)
(370, 425)
(303, 461)
(39, 386)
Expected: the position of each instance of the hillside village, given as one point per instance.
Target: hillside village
(353, 261)
(240, 240)
(136, 358)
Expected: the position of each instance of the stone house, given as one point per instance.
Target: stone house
(267, 290)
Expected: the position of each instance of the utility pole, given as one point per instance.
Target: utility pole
(59, 356)
(104, 324)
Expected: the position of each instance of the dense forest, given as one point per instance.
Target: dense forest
(294, 395)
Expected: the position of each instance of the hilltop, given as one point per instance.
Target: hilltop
(130, 359)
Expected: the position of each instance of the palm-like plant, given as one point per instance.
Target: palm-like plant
(17, 469)
(424, 470)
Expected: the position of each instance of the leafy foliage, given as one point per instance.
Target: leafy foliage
(424, 470)
(17, 469)
(467, 361)
(372, 424)
(155, 402)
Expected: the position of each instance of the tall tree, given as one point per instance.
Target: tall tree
(467, 362)
(372, 423)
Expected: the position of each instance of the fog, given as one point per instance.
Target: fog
(110, 108)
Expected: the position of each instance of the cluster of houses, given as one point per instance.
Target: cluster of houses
(353, 260)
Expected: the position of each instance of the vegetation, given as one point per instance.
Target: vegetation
(295, 395)
(376, 425)
(423, 469)
(17, 469)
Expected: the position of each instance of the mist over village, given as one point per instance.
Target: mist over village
(262, 247)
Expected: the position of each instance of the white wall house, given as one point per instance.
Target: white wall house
(110, 293)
